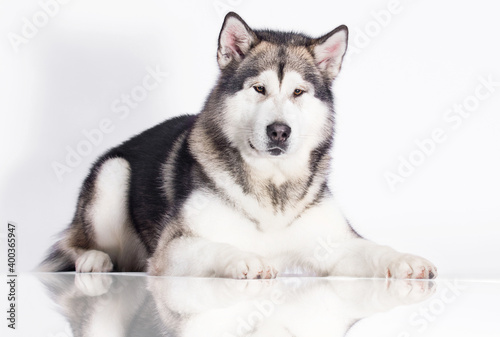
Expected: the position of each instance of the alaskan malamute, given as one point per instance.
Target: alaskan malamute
(239, 190)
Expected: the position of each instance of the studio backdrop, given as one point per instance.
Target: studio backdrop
(417, 143)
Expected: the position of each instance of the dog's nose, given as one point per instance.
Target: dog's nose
(278, 132)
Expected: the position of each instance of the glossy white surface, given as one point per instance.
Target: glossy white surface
(68, 304)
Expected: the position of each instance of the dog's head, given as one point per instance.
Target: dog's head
(275, 88)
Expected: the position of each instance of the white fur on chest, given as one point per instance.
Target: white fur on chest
(211, 218)
(259, 207)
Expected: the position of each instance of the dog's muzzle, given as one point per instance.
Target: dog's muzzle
(278, 135)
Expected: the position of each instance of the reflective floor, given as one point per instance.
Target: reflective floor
(107, 305)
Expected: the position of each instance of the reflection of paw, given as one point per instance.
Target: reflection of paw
(248, 288)
(93, 284)
(93, 261)
(406, 266)
(249, 267)
(409, 291)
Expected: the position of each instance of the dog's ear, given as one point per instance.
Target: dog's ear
(329, 50)
(235, 40)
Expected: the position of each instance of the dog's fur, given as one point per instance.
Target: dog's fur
(239, 190)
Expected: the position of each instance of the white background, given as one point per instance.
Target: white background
(398, 81)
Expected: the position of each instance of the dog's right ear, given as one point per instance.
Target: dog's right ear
(236, 38)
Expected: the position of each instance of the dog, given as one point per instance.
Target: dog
(239, 190)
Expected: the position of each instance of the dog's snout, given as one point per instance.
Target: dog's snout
(278, 132)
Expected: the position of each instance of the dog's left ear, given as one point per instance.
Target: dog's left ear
(329, 50)
(236, 38)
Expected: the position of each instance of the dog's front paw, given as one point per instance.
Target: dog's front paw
(93, 261)
(406, 266)
(249, 267)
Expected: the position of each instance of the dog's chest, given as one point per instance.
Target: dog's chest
(241, 222)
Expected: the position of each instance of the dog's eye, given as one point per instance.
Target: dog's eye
(298, 92)
(260, 89)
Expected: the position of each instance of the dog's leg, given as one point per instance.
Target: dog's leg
(194, 256)
(362, 258)
(338, 250)
(101, 237)
(107, 213)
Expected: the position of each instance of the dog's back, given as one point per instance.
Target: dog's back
(124, 199)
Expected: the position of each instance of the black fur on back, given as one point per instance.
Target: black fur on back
(146, 153)
(147, 204)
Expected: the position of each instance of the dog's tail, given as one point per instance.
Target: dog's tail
(58, 260)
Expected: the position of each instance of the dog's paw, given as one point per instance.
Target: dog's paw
(249, 267)
(93, 261)
(406, 266)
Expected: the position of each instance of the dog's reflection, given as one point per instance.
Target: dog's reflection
(124, 305)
